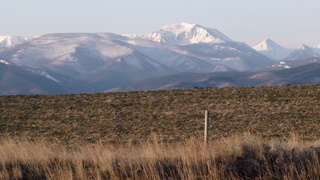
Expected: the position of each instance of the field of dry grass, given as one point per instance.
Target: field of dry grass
(173, 116)
(237, 157)
(158, 134)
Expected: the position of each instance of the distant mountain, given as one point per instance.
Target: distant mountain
(306, 74)
(106, 60)
(301, 53)
(6, 41)
(272, 50)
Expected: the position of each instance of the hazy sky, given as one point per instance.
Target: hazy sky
(288, 22)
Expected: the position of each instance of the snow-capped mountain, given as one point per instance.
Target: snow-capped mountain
(6, 41)
(272, 50)
(206, 44)
(186, 33)
(106, 60)
(302, 52)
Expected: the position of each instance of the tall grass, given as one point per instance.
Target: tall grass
(237, 157)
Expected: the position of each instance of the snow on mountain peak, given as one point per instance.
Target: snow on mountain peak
(267, 44)
(272, 49)
(187, 33)
(303, 46)
(178, 27)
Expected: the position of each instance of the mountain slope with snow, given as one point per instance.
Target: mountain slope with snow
(292, 64)
(272, 50)
(301, 53)
(6, 41)
(16, 80)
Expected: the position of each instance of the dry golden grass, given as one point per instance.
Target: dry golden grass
(237, 157)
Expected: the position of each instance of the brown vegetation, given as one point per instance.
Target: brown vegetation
(237, 157)
(172, 115)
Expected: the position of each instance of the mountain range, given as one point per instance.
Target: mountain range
(97, 62)
(278, 53)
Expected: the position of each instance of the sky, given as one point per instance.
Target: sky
(290, 23)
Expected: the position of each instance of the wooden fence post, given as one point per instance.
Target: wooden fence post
(206, 126)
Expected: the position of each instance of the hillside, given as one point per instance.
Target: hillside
(15, 80)
(170, 115)
(305, 74)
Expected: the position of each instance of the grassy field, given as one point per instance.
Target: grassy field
(158, 134)
(235, 158)
(171, 116)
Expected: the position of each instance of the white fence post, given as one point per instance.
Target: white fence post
(206, 126)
